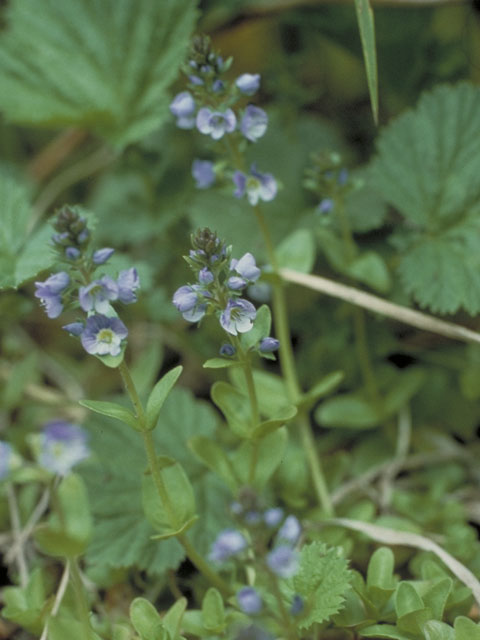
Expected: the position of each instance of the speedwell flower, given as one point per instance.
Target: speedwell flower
(98, 294)
(238, 316)
(227, 544)
(267, 345)
(216, 123)
(183, 108)
(249, 600)
(254, 123)
(62, 446)
(189, 300)
(49, 293)
(203, 173)
(128, 282)
(248, 83)
(103, 336)
(283, 561)
(257, 186)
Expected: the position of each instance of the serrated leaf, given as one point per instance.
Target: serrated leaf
(22, 254)
(322, 581)
(61, 67)
(427, 167)
(113, 410)
(122, 537)
(159, 394)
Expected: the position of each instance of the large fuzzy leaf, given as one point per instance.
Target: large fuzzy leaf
(100, 64)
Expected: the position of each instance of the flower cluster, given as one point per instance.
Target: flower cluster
(220, 283)
(210, 106)
(78, 287)
(327, 179)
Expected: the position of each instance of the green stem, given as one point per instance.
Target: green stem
(288, 628)
(154, 467)
(81, 603)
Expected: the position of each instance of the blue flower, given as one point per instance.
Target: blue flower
(183, 108)
(217, 86)
(254, 123)
(246, 267)
(103, 336)
(297, 605)
(189, 300)
(203, 173)
(248, 83)
(6, 457)
(49, 293)
(325, 206)
(102, 255)
(72, 253)
(228, 543)
(74, 328)
(257, 186)
(62, 446)
(283, 561)
(272, 517)
(216, 123)
(249, 600)
(267, 345)
(238, 316)
(128, 282)
(290, 530)
(235, 283)
(205, 276)
(227, 350)
(97, 295)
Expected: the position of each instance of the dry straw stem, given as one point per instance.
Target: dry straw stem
(406, 539)
(383, 307)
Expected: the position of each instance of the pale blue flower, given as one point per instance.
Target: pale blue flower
(183, 108)
(128, 282)
(228, 543)
(102, 255)
(267, 345)
(203, 173)
(216, 123)
(257, 186)
(190, 301)
(325, 206)
(227, 350)
(246, 267)
(205, 276)
(254, 123)
(72, 253)
(49, 293)
(283, 561)
(62, 446)
(249, 600)
(248, 83)
(272, 517)
(97, 295)
(238, 316)
(290, 530)
(6, 457)
(103, 336)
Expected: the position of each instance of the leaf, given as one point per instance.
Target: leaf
(380, 580)
(121, 536)
(214, 457)
(61, 67)
(270, 453)
(145, 619)
(367, 34)
(234, 406)
(213, 611)
(435, 630)
(297, 251)
(159, 394)
(113, 410)
(23, 254)
(220, 363)
(349, 410)
(172, 620)
(26, 606)
(384, 631)
(61, 627)
(261, 328)
(322, 580)
(271, 391)
(427, 168)
(370, 268)
(322, 388)
(466, 629)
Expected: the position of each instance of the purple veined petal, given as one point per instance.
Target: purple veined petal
(185, 298)
(52, 304)
(248, 83)
(203, 120)
(254, 123)
(238, 316)
(247, 267)
(103, 335)
(128, 282)
(235, 283)
(195, 314)
(182, 105)
(56, 283)
(240, 181)
(230, 120)
(98, 294)
(203, 173)
(74, 328)
(102, 255)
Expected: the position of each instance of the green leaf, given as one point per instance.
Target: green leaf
(322, 580)
(466, 629)
(349, 410)
(172, 620)
(61, 627)
(370, 268)
(380, 581)
(159, 394)
(23, 254)
(26, 607)
(145, 619)
(367, 34)
(61, 67)
(436, 597)
(383, 631)
(271, 391)
(220, 363)
(234, 406)
(322, 388)
(297, 251)
(427, 168)
(435, 630)
(122, 536)
(214, 457)
(213, 611)
(67, 534)
(270, 453)
(269, 426)
(113, 410)
(260, 329)
(180, 493)
(407, 599)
